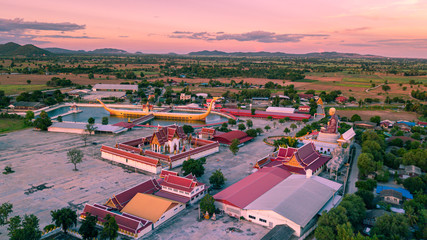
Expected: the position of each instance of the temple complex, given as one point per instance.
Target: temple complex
(168, 147)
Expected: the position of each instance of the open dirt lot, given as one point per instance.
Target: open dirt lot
(384, 114)
(44, 181)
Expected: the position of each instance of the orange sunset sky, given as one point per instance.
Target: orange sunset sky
(381, 27)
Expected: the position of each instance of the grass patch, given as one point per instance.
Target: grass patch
(305, 80)
(16, 89)
(10, 125)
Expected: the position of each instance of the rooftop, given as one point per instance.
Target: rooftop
(116, 86)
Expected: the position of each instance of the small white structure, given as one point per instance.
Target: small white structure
(280, 109)
(184, 97)
(115, 87)
(203, 95)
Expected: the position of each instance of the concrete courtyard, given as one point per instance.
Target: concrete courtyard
(43, 179)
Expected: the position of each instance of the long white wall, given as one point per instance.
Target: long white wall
(66, 130)
(131, 163)
(179, 162)
(172, 212)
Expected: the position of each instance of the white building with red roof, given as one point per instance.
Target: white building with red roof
(168, 139)
(183, 189)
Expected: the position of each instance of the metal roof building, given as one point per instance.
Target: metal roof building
(115, 87)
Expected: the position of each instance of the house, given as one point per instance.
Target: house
(402, 126)
(304, 109)
(26, 106)
(115, 87)
(386, 124)
(228, 137)
(78, 92)
(391, 196)
(183, 189)
(184, 97)
(403, 192)
(203, 95)
(274, 196)
(341, 99)
(305, 96)
(207, 133)
(409, 171)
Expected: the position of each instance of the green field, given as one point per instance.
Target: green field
(10, 125)
(16, 89)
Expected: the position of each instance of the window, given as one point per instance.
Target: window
(162, 217)
(250, 216)
(126, 160)
(175, 209)
(175, 190)
(262, 220)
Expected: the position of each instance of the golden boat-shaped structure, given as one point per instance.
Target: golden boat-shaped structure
(161, 115)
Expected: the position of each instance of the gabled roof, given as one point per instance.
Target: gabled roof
(120, 200)
(392, 193)
(251, 187)
(164, 173)
(208, 131)
(125, 222)
(405, 193)
(187, 183)
(149, 206)
(131, 156)
(349, 134)
(228, 137)
(165, 134)
(297, 198)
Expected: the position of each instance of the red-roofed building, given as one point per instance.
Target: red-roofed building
(341, 99)
(296, 160)
(184, 189)
(128, 224)
(168, 139)
(245, 191)
(207, 133)
(306, 96)
(135, 160)
(228, 137)
(304, 109)
(264, 114)
(120, 200)
(164, 173)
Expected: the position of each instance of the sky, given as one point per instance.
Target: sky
(392, 28)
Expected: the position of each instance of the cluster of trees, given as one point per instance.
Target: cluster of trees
(421, 95)
(39, 96)
(330, 97)
(308, 128)
(416, 107)
(59, 82)
(4, 100)
(215, 71)
(373, 151)
(194, 167)
(285, 142)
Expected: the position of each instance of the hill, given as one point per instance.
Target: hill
(108, 51)
(13, 49)
(280, 54)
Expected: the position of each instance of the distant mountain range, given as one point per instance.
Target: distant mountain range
(280, 54)
(13, 49)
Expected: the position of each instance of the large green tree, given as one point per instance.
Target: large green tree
(194, 166)
(207, 204)
(328, 223)
(5, 211)
(43, 121)
(366, 164)
(234, 146)
(391, 226)
(24, 229)
(109, 231)
(64, 218)
(88, 228)
(75, 156)
(249, 123)
(217, 179)
(367, 196)
(356, 209)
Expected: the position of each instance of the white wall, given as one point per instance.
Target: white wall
(66, 130)
(138, 165)
(172, 212)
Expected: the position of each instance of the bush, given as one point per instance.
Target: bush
(217, 179)
(251, 133)
(368, 185)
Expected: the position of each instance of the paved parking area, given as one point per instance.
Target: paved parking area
(44, 181)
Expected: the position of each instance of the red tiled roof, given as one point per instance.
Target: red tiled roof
(125, 222)
(129, 148)
(251, 187)
(164, 173)
(165, 134)
(307, 96)
(191, 152)
(156, 155)
(340, 99)
(209, 131)
(121, 199)
(264, 114)
(180, 183)
(172, 196)
(130, 156)
(228, 137)
(403, 138)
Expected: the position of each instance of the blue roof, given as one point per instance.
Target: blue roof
(411, 124)
(260, 98)
(405, 193)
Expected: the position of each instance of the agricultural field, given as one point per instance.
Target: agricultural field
(10, 125)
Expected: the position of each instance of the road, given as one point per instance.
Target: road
(354, 173)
